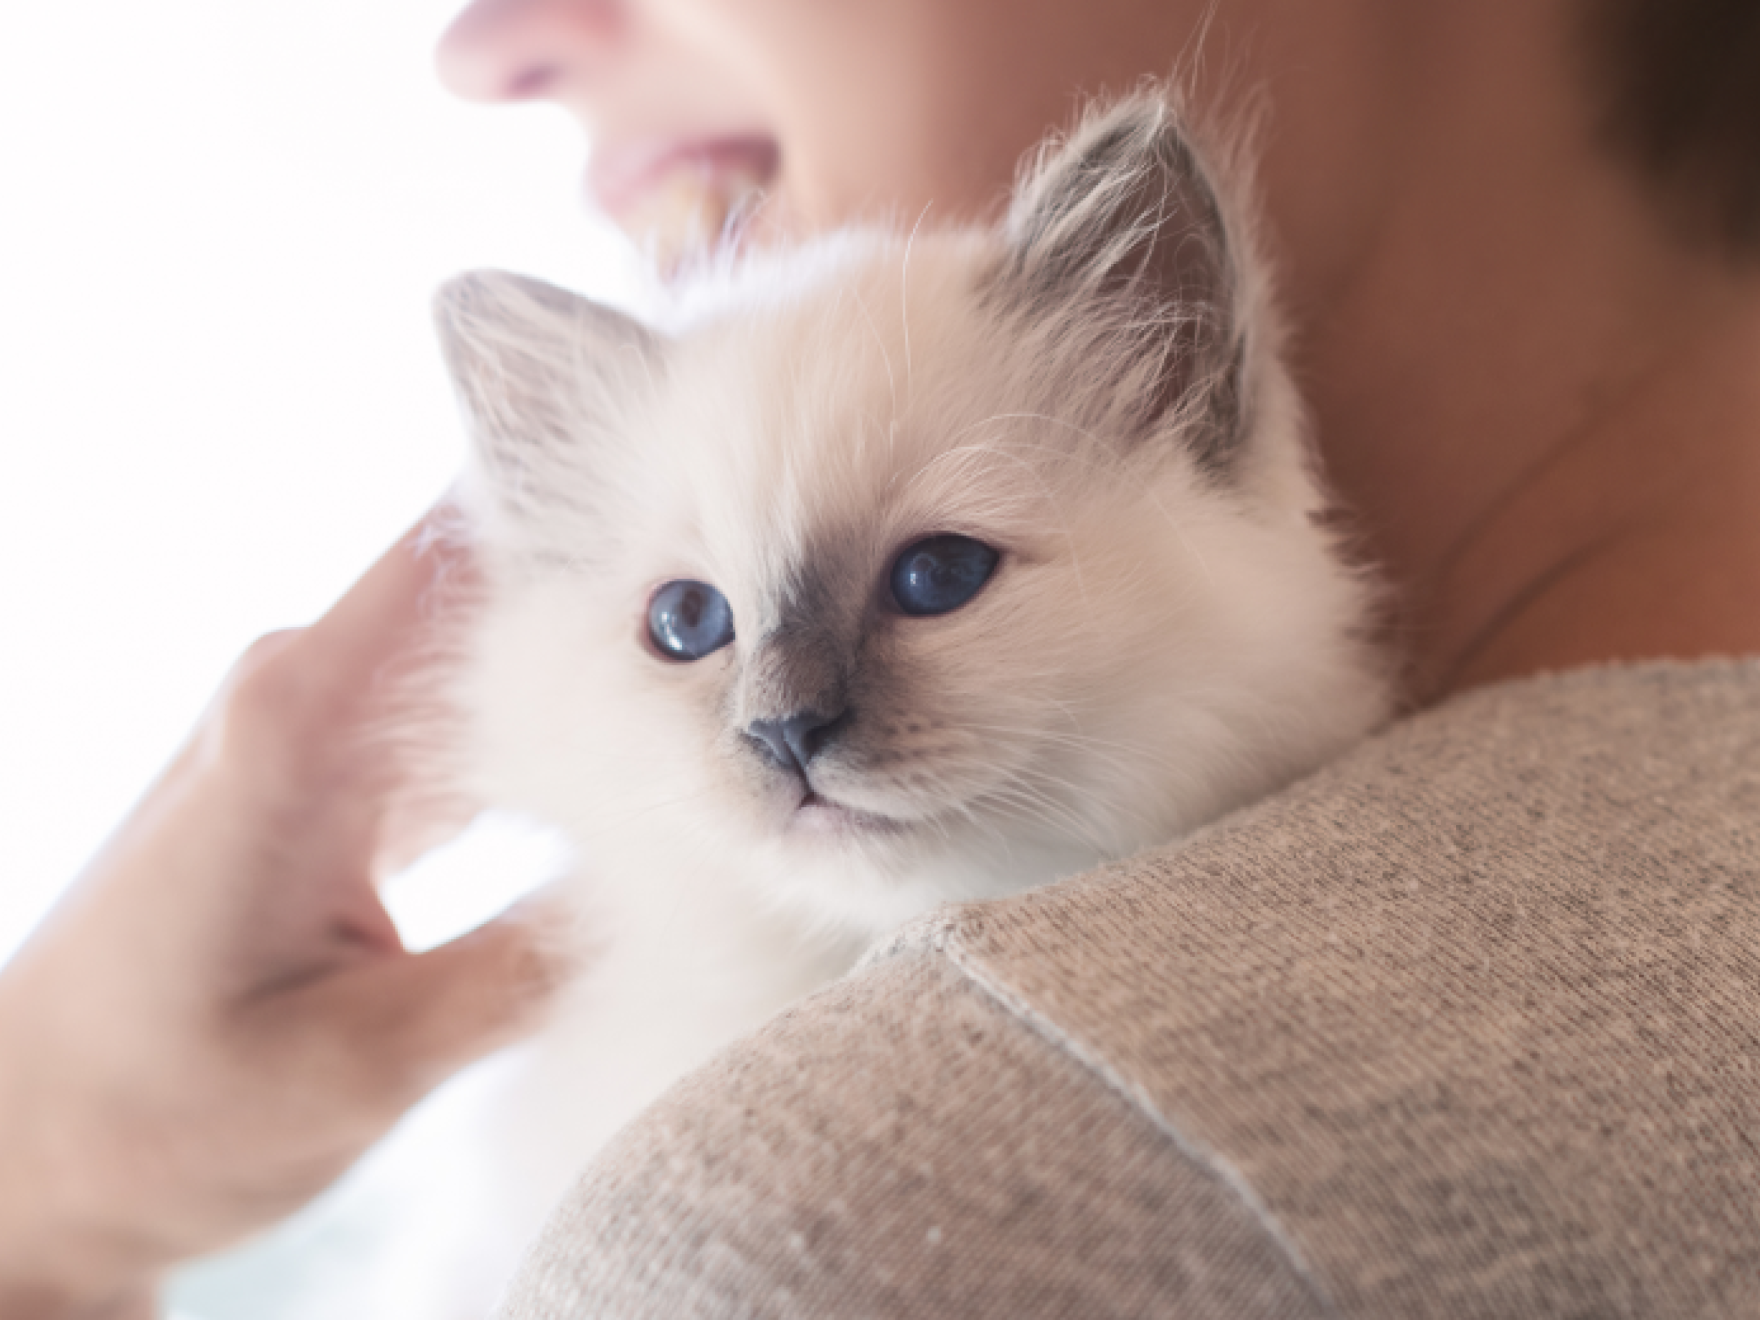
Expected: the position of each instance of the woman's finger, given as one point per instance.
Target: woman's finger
(315, 706)
(387, 1031)
(383, 613)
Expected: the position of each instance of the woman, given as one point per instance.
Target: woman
(1516, 246)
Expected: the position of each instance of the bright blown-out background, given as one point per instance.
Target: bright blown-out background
(219, 394)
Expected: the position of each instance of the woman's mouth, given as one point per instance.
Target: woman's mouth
(682, 198)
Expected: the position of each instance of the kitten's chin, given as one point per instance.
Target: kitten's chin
(818, 816)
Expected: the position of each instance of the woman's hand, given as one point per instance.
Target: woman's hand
(220, 1017)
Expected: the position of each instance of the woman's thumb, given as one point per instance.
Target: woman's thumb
(417, 1018)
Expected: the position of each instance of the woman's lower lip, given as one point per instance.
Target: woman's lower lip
(621, 179)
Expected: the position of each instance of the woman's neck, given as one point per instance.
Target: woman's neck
(1542, 412)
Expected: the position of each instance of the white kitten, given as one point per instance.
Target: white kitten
(912, 569)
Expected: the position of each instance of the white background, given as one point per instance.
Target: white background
(220, 222)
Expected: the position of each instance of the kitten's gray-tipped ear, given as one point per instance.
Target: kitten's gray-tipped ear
(544, 377)
(1123, 213)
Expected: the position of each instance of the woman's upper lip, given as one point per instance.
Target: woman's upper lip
(621, 175)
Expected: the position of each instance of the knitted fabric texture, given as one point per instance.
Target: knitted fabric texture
(1468, 1024)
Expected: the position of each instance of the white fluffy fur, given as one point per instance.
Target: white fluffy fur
(1171, 631)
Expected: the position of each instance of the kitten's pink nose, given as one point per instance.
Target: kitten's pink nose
(793, 742)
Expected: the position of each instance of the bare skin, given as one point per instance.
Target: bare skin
(1540, 410)
(1537, 407)
(219, 1018)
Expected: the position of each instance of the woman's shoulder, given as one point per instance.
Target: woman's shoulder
(1469, 1020)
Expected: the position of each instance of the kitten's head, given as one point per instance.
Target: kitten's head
(918, 566)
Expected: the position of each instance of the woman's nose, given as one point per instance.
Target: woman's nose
(517, 50)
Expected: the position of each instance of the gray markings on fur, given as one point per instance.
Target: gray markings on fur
(805, 660)
(1122, 221)
(540, 375)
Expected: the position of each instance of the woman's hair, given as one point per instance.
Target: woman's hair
(1679, 81)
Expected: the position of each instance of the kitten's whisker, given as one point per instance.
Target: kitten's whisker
(1044, 807)
(632, 817)
(1173, 523)
(891, 382)
(1061, 825)
(1047, 418)
(1116, 751)
(904, 305)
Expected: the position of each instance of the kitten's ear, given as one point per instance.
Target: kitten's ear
(1120, 221)
(545, 379)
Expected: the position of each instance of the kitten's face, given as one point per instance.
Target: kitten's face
(876, 589)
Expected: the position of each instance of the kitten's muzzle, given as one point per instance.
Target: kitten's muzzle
(793, 741)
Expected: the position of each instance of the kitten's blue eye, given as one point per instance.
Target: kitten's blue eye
(688, 620)
(941, 573)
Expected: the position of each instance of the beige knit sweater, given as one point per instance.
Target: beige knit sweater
(1468, 1024)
